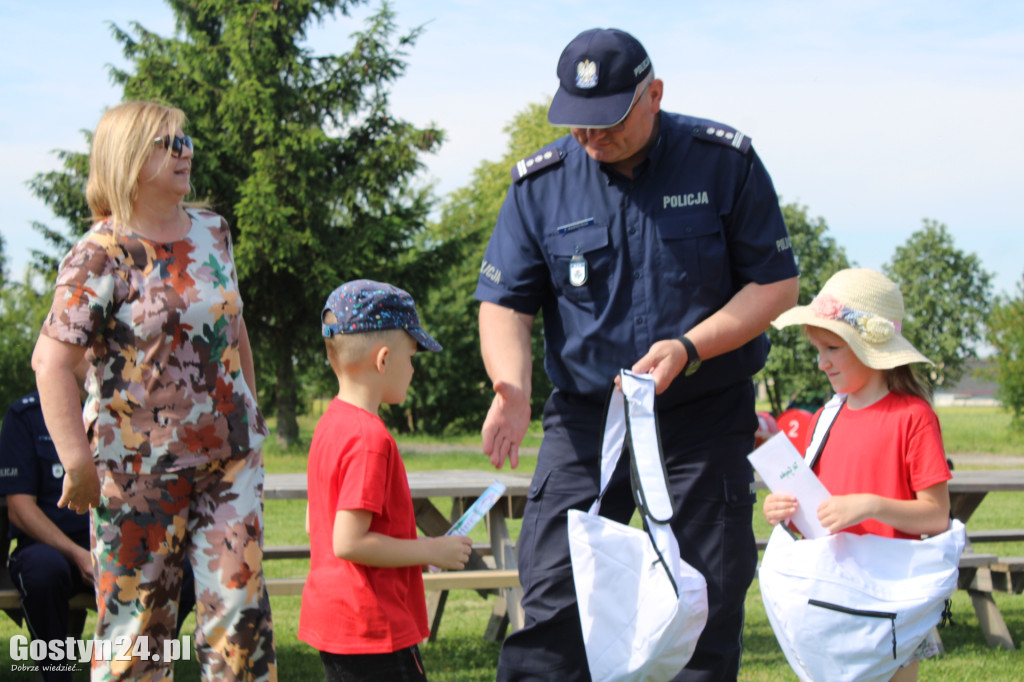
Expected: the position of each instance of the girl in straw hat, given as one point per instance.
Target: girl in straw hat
(884, 461)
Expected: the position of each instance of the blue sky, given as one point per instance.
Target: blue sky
(873, 114)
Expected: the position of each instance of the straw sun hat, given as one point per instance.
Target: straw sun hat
(864, 308)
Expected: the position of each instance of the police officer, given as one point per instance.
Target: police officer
(651, 241)
(51, 562)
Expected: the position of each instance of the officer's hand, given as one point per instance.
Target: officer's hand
(83, 559)
(81, 489)
(664, 361)
(506, 424)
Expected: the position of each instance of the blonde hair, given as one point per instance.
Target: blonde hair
(121, 145)
(345, 350)
(904, 381)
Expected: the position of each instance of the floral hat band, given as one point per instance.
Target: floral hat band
(872, 328)
(865, 309)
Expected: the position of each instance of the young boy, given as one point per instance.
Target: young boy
(363, 606)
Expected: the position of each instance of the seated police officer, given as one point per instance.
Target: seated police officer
(51, 562)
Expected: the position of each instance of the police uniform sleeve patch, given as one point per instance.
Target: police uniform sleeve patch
(720, 134)
(535, 162)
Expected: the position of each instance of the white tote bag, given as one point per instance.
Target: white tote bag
(642, 608)
(855, 607)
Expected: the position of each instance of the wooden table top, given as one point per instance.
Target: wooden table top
(987, 481)
(439, 483)
(472, 482)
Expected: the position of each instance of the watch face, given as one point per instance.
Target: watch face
(693, 367)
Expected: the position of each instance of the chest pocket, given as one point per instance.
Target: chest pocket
(589, 243)
(694, 250)
(46, 450)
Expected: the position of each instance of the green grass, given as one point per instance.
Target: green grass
(979, 430)
(969, 430)
(460, 653)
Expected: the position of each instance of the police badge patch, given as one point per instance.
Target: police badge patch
(586, 74)
(578, 271)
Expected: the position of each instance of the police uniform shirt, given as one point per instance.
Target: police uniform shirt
(29, 465)
(617, 264)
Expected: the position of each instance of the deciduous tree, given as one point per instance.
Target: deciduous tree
(791, 374)
(452, 391)
(947, 296)
(63, 191)
(1006, 335)
(301, 154)
(22, 310)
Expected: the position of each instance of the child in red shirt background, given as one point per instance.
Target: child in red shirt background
(363, 605)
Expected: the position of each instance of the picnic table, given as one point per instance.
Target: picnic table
(981, 574)
(993, 573)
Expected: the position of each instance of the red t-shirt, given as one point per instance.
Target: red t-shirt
(892, 448)
(350, 608)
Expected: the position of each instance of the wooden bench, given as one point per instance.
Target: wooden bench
(1000, 535)
(976, 579)
(487, 579)
(1004, 574)
(10, 600)
(286, 552)
(484, 579)
(1008, 574)
(480, 575)
(302, 551)
(970, 564)
(444, 580)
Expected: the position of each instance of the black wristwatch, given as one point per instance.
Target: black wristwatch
(692, 358)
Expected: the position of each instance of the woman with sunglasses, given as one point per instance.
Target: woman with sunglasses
(167, 452)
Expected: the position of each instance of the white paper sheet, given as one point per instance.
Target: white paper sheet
(785, 471)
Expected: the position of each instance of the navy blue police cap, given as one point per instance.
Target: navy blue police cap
(599, 75)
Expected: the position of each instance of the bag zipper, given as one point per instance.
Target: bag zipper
(861, 612)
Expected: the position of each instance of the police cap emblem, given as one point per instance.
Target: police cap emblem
(586, 74)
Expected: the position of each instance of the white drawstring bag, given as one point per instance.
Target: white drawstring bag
(855, 607)
(642, 608)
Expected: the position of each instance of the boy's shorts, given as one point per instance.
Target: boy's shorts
(930, 646)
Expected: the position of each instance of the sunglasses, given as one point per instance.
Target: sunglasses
(176, 143)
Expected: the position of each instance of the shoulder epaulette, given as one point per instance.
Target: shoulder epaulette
(716, 132)
(535, 162)
(26, 403)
